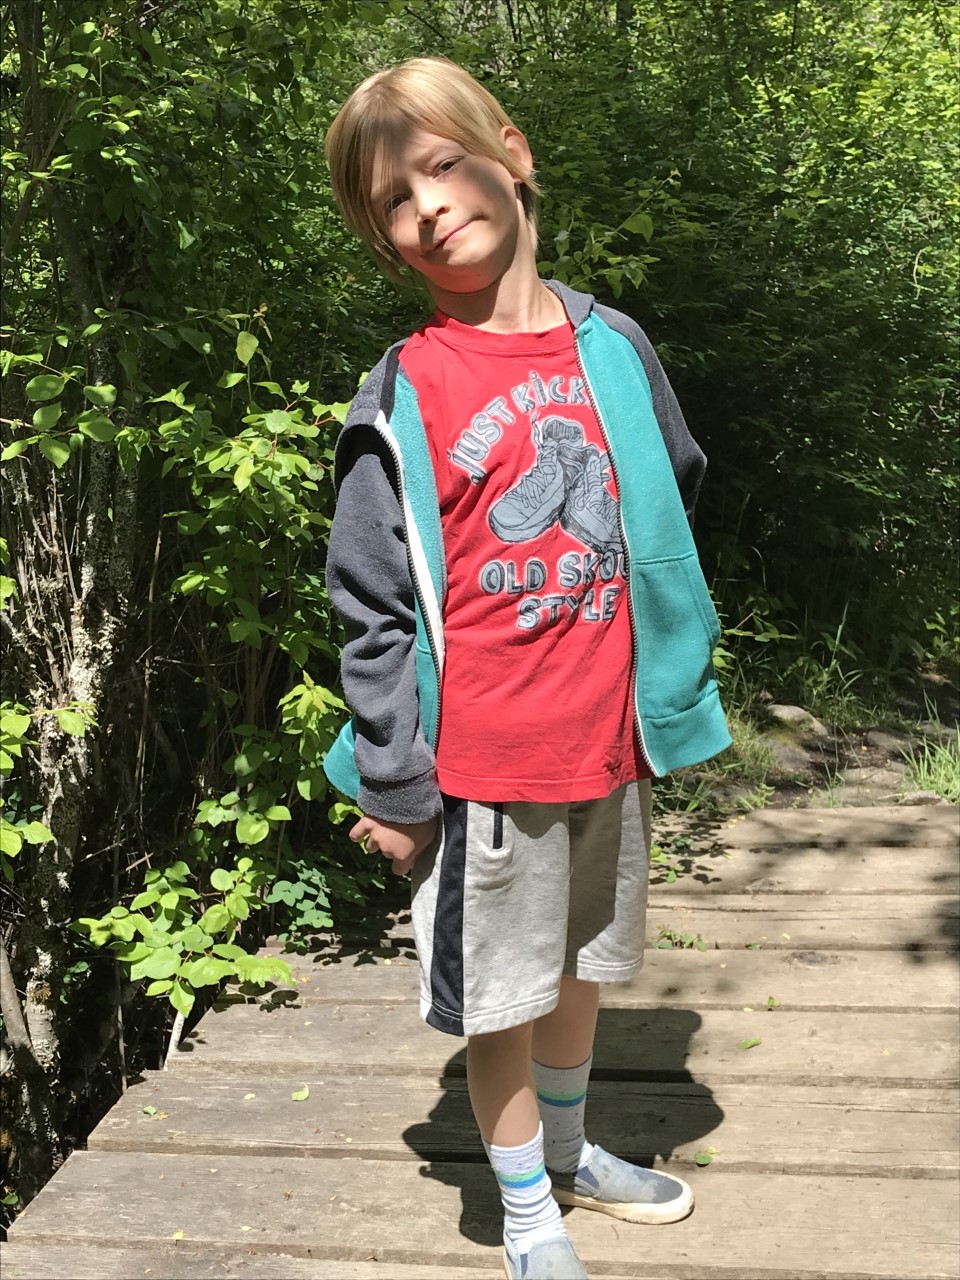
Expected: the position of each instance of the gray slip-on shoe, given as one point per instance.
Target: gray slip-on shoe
(553, 1258)
(625, 1191)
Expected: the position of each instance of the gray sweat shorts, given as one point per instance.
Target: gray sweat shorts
(511, 897)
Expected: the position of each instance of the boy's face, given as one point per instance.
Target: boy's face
(456, 218)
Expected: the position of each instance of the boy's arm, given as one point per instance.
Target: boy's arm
(689, 462)
(368, 579)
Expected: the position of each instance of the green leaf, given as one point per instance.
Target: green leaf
(149, 1111)
(750, 1044)
(206, 971)
(252, 828)
(15, 449)
(236, 904)
(182, 998)
(36, 833)
(48, 415)
(773, 1002)
(640, 223)
(300, 1095)
(244, 473)
(162, 964)
(222, 880)
(71, 722)
(159, 988)
(247, 344)
(104, 395)
(228, 380)
(98, 428)
(45, 386)
(54, 450)
(278, 813)
(10, 842)
(170, 899)
(277, 420)
(703, 1158)
(215, 918)
(145, 899)
(229, 951)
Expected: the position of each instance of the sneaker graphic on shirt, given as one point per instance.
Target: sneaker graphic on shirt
(536, 500)
(589, 513)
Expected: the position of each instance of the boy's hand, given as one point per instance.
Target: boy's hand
(401, 842)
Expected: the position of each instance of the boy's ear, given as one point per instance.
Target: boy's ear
(519, 149)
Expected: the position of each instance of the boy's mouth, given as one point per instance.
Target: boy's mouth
(449, 236)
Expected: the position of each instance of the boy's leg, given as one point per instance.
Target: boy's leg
(500, 1081)
(562, 1054)
(609, 840)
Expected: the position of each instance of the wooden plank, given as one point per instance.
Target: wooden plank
(878, 825)
(88, 1262)
(882, 981)
(808, 869)
(856, 923)
(874, 1133)
(895, 1050)
(745, 1225)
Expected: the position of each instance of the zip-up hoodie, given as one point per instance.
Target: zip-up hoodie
(386, 572)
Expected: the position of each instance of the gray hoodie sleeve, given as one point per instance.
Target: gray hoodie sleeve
(369, 583)
(689, 462)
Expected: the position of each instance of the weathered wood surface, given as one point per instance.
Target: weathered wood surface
(658, 1044)
(808, 869)
(836, 1138)
(876, 1132)
(881, 981)
(55, 1262)
(856, 922)
(879, 825)
(448, 1214)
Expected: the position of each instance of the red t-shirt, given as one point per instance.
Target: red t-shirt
(537, 689)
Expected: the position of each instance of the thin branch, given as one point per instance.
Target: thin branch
(14, 1025)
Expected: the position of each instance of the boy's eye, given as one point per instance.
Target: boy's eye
(446, 165)
(393, 204)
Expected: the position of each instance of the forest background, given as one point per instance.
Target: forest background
(767, 186)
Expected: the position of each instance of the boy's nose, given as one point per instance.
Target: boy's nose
(431, 203)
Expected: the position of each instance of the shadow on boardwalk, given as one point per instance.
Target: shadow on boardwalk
(612, 1120)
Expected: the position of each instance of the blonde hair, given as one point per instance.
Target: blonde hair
(432, 94)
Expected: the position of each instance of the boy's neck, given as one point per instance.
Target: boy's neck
(518, 302)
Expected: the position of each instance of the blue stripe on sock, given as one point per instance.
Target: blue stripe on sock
(521, 1179)
(556, 1100)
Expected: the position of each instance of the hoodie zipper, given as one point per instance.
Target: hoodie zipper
(626, 554)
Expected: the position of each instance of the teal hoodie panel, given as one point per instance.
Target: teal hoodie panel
(674, 623)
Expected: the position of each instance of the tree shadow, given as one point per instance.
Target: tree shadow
(643, 1105)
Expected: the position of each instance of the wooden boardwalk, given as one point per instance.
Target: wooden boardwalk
(836, 1137)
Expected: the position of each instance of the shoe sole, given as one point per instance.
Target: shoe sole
(650, 1215)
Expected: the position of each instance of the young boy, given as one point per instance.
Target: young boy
(528, 633)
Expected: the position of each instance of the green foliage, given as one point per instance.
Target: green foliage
(935, 766)
(176, 946)
(15, 721)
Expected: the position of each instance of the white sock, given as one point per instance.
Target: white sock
(562, 1096)
(528, 1204)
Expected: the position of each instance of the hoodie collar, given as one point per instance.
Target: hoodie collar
(577, 305)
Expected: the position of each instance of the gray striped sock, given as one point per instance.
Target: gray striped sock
(528, 1204)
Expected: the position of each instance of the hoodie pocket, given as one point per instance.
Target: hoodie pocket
(677, 631)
